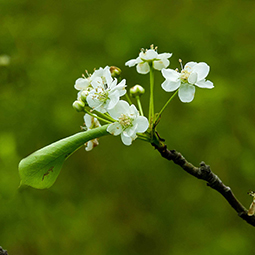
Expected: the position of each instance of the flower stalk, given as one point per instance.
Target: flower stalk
(151, 104)
(139, 105)
(99, 116)
(164, 107)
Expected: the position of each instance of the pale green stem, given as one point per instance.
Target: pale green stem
(151, 104)
(139, 105)
(98, 117)
(105, 116)
(166, 104)
(128, 98)
(143, 137)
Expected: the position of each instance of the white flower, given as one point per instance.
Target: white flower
(104, 96)
(104, 74)
(159, 61)
(91, 122)
(192, 74)
(128, 122)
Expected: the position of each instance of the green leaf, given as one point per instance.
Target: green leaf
(41, 169)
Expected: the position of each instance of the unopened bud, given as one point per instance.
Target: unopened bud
(78, 105)
(115, 71)
(137, 90)
(83, 95)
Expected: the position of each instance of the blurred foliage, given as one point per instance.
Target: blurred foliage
(118, 199)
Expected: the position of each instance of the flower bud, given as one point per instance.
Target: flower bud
(78, 105)
(83, 95)
(115, 71)
(137, 90)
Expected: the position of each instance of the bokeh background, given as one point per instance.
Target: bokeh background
(118, 200)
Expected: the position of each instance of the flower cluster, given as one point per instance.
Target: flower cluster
(99, 90)
(100, 95)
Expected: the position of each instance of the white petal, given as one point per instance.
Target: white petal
(121, 107)
(112, 84)
(81, 83)
(131, 131)
(143, 124)
(190, 65)
(170, 74)
(91, 102)
(100, 108)
(202, 70)
(133, 112)
(143, 68)
(170, 86)
(127, 140)
(89, 146)
(186, 93)
(121, 88)
(192, 79)
(148, 54)
(205, 84)
(114, 128)
(88, 120)
(98, 73)
(108, 76)
(160, 64)
(97, 82)
(131, 62)
(114, 98)
(164, 55)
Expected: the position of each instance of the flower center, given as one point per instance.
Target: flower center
(185, 75)
(125, 121)
(101, 95)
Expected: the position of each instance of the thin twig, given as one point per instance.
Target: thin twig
(204, 172)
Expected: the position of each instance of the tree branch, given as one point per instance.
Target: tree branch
(204, 172)
(2, 251)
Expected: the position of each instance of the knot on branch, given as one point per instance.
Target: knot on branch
(212, 179)
(206, 173)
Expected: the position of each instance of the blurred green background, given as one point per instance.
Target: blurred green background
(118, 200)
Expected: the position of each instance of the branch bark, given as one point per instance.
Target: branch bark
(2, 251)
(204, 172)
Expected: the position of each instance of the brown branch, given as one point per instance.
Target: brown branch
(204, 172)
(2, 251)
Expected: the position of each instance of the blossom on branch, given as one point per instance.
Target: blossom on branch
(192, 74)
(128, 122)
(147, 57)
(104, 96)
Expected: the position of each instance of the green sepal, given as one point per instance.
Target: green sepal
(41, 168)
